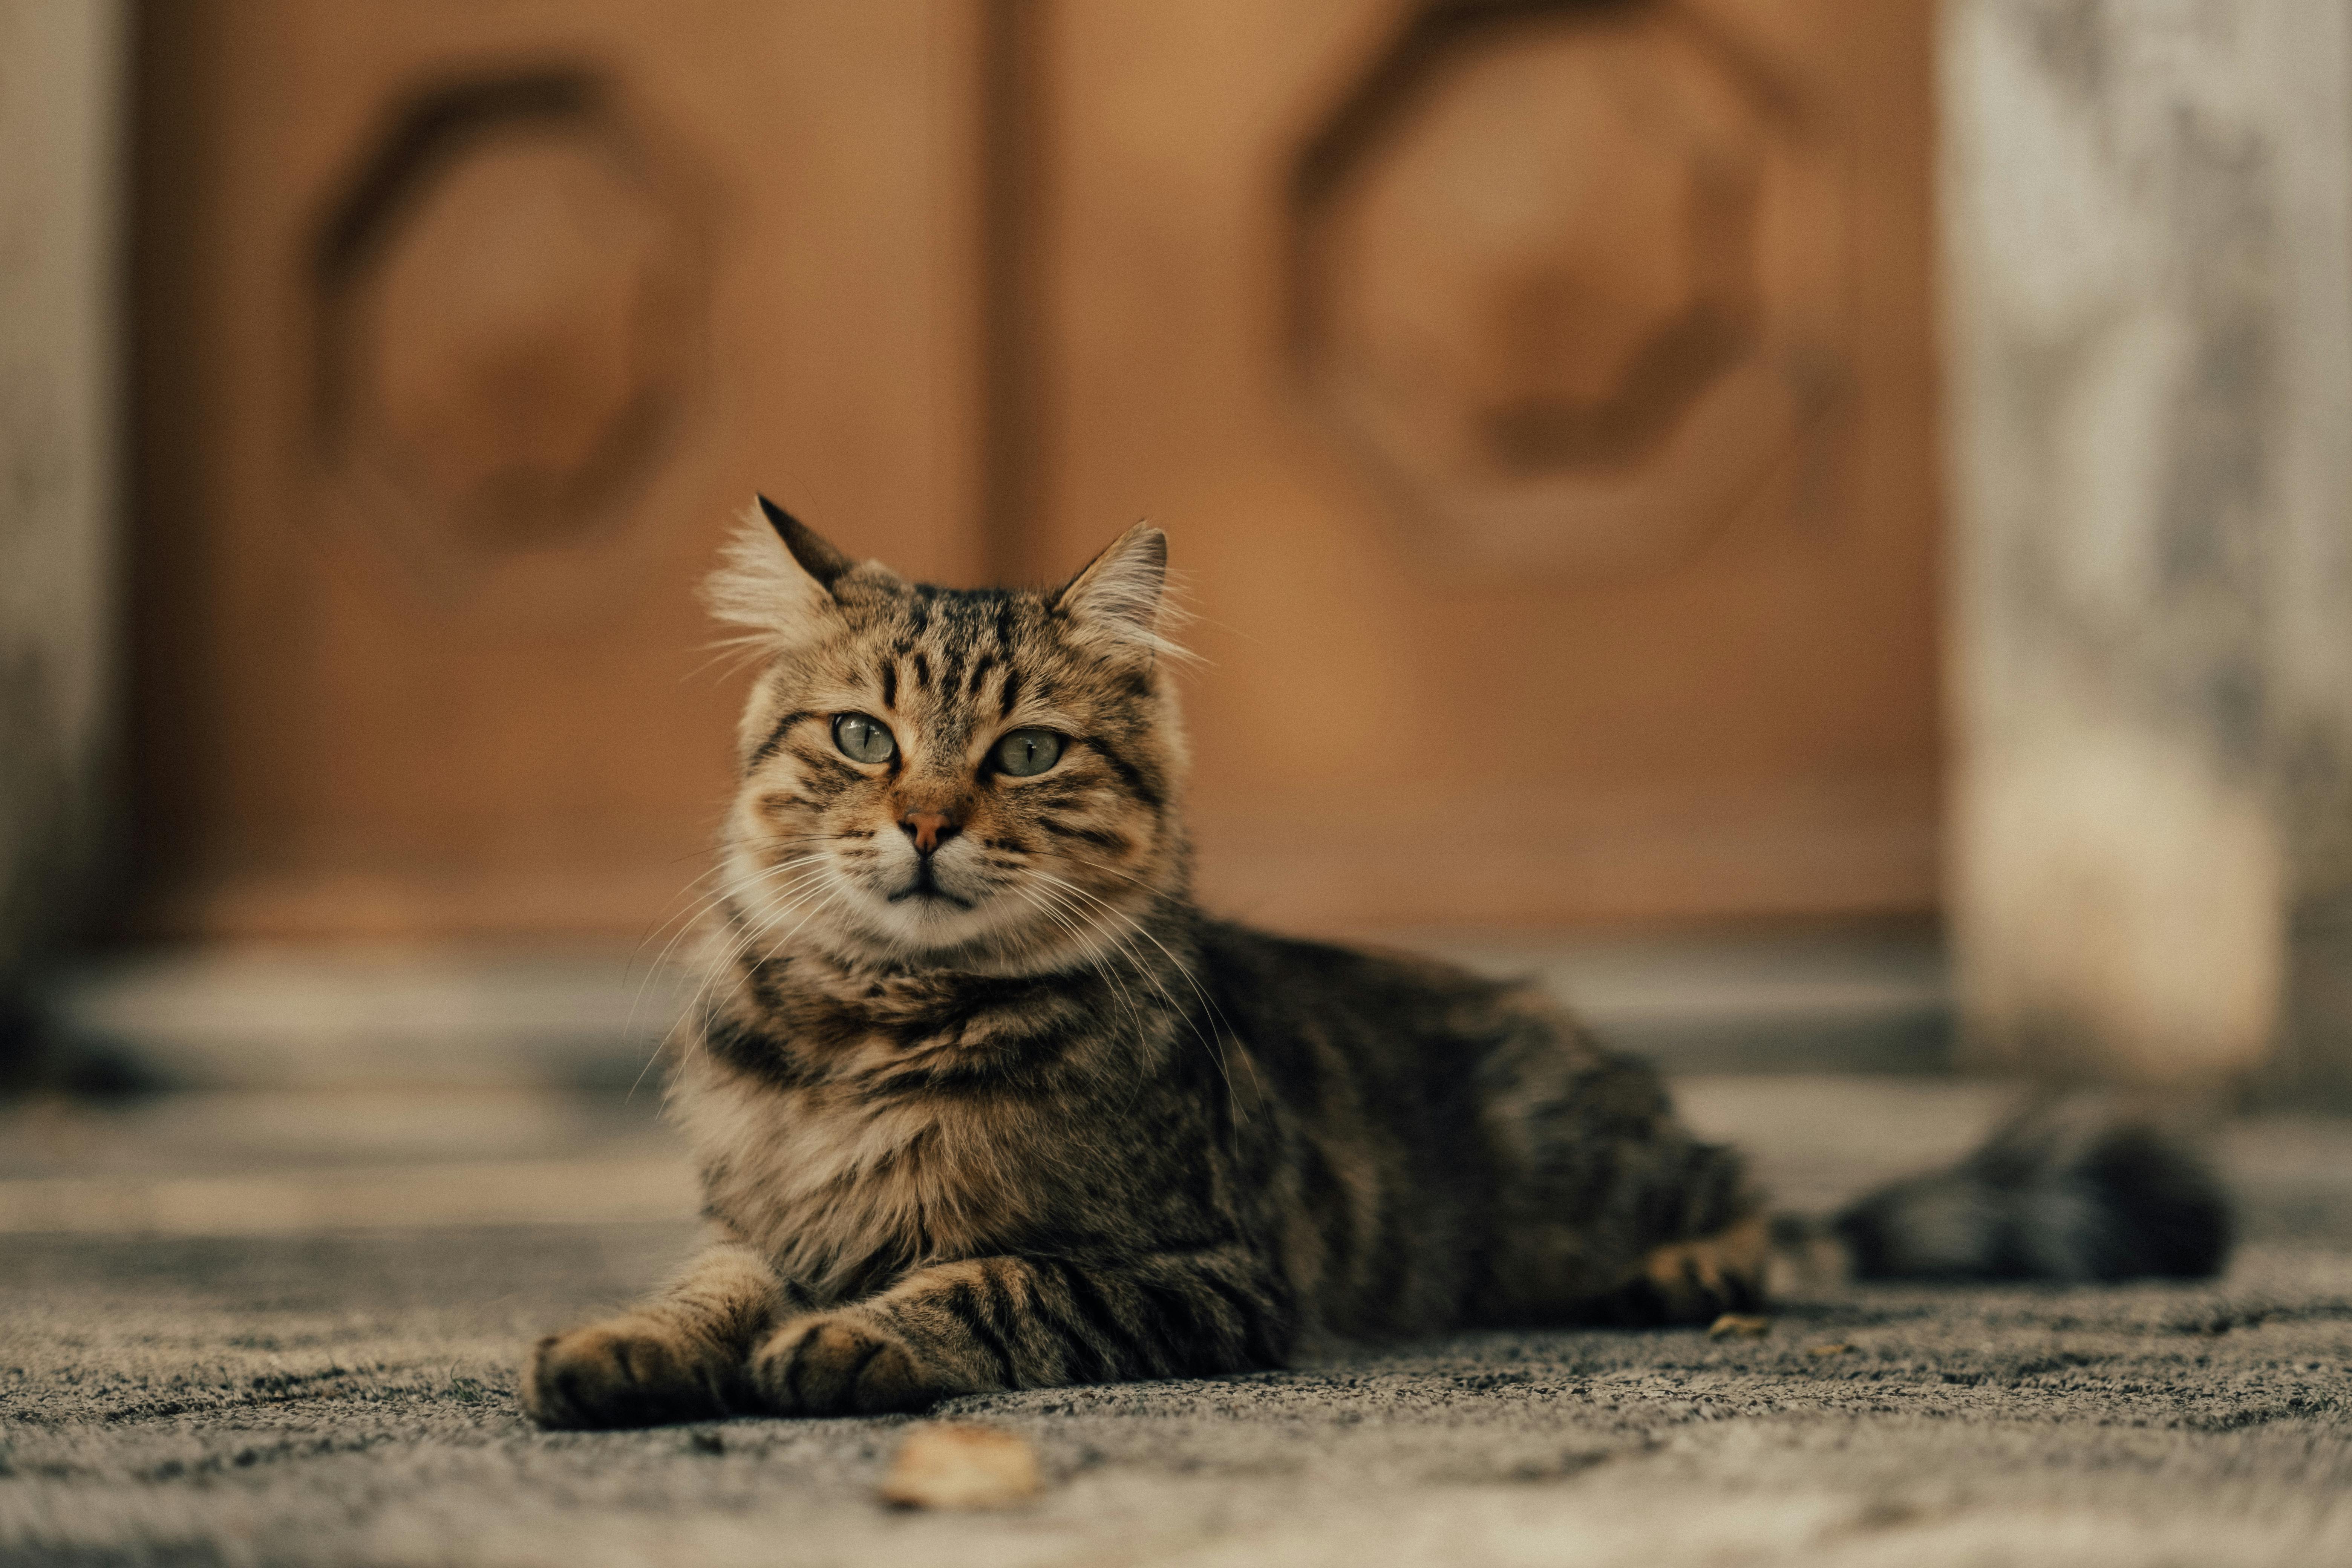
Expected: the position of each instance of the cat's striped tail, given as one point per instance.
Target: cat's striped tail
(2068, 1190)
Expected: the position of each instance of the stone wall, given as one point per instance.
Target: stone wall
(61, 65)
(2148, 215)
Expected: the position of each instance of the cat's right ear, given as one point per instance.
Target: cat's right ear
(810, 549)
(1122, 595)
(775, 580)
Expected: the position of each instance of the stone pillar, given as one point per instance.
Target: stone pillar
(2147, 241)
(62, 65)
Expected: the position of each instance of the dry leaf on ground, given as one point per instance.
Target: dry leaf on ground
(950, 1465)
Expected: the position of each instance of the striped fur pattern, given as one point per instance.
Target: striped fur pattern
(982, 1102)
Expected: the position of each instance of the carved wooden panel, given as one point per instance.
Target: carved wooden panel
(467, 329)
(513, 293)
(1539, 398)
(1567, 278)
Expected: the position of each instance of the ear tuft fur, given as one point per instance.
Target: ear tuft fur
(774, 584)
(1123, 592)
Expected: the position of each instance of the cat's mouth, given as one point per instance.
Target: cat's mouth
(925, 888)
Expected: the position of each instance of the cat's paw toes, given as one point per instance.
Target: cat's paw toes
(1696, 1281)
(625, 1374)
(839, 1363)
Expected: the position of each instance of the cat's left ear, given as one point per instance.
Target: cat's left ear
(1123, 591)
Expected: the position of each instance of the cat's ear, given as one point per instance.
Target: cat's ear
(1123, 591)
(775, 580)
(810, 549)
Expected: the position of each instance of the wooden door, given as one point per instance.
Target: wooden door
(465, 331)
(1537, 395)
(1539, 399)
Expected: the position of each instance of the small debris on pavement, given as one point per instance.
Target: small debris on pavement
(951, 1465)
(1829, 1349)
(1738, 1326)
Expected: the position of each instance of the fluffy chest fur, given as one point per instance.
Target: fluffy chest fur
(844, 1198)
(854, 1128)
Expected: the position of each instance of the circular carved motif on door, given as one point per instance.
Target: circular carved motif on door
(512, 293)
(1567, 278)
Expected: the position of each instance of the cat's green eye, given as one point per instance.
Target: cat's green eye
(1026, 751)
(863, 739)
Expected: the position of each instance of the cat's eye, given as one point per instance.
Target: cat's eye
(1026, 751)
(863, 739)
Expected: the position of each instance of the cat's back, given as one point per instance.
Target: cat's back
(1409, 1041)
(1292, 983)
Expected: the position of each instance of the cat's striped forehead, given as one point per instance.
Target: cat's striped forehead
(972, 657)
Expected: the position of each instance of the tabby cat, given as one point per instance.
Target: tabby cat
(982, 1102)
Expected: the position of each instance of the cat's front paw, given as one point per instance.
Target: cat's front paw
(840, 1363)
(631, 1371)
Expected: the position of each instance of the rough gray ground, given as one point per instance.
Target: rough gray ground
(349, 1398)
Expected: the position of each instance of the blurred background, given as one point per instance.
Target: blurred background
(1823, 527)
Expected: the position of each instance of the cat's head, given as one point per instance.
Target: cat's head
(976, 778)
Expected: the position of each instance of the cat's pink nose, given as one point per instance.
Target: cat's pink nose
(929, 829)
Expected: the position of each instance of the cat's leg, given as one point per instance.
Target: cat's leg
(678, 1357)
(1697, 1242)
(1610, 1210)
(991, 1323)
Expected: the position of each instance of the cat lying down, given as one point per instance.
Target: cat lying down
(982, 1101)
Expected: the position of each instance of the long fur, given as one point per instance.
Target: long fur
(768, 600)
